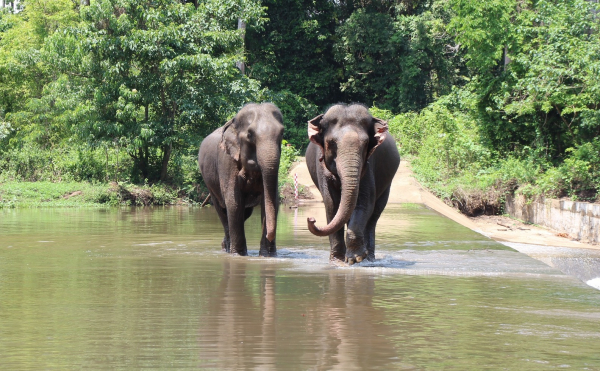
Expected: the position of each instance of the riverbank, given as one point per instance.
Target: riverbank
(406, 189)
(78, 194)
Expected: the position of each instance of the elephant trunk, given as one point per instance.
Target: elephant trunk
(348, 165)
(268, 160)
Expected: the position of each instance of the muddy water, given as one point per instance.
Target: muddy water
(148, 288)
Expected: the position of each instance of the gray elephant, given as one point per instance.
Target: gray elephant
(239, 163)
(352, 159)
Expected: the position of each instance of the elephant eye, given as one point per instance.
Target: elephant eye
(250, 136)
(331, 145)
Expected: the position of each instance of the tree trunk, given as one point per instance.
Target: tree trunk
(141, 160)
(117, 169)
(240, 64)
(507, 60)
(2, 3)
(165, 161)
(106, 177)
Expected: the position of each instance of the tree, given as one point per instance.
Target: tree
(294, 50)
(546, 98)
(161, 74)
(401, 59)
(24, 72)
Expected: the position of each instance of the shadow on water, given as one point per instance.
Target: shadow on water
(149, 288)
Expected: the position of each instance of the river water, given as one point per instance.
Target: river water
(149, 288)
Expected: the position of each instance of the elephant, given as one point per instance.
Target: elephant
(352, 159)
(239, 163)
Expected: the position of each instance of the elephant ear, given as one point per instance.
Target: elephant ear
(315, 132)
(380, 131)
(230, 142)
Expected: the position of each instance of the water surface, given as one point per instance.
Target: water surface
(149, 288)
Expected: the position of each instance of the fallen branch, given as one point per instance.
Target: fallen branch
(205, 201)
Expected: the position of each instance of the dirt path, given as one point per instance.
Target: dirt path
(406, 189)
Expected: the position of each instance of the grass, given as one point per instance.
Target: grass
(79, 194)
(22, 194)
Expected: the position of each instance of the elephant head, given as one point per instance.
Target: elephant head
(348, 136)
(253, 139)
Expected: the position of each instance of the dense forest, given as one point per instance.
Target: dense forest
(484, 97)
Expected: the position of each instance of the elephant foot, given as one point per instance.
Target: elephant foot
(337, 259)
(268, 254)
(338, 253)
(225, 245)
(352, 257)
(241, 252)
(238, 254)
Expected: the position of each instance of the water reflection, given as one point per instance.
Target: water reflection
(250, 321)
(239, 330)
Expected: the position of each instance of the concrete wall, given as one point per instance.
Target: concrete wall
(580, 220)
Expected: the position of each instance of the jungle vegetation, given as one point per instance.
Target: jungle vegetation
(484, 97)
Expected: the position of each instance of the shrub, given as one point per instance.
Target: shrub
(296, 112)
(288, 156)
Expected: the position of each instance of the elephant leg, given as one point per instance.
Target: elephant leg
(356, 237)
(222, 213)
(267, 248)
(236, 213)
(370, 230)
(331, 199)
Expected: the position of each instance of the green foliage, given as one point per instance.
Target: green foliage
(48, 194)
(294, 50)
(5, 130)
(296, 112)
(399, 61)
(148, 80)
(484, 97)
(23, 71)
(398, 57)
(368, 56)
(161, 74)
(577, 177)
(443, 140)
(75, 163)
(546, 96)
(288, 156)
(485, 29)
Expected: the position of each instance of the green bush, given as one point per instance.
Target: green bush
(30, 162)
(577, 177)
(443, 140)
(48, 194)
(288, 156)
(449, 157)
(296, 112)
